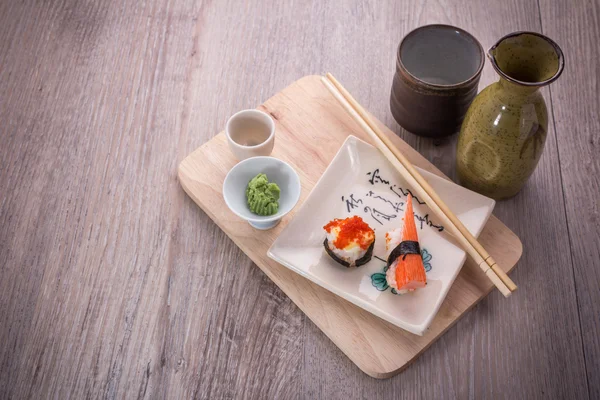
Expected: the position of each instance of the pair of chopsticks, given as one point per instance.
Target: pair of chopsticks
(421, 187)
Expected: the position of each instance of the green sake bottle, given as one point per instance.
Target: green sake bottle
(503, 134)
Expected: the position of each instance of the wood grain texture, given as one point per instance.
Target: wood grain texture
(112, 282)
(578, 145)
(306, 115)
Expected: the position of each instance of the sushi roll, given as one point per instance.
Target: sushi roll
(349, 241)
(405, 264)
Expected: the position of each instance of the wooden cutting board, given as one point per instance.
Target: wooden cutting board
(310, 128)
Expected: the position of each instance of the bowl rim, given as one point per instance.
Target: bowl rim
(466, 82)
(259, 218)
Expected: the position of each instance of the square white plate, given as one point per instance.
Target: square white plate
(360, 181)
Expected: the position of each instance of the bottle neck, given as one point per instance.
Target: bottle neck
(518, 90)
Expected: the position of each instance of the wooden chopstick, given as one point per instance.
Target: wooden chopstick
(463, 230)
(417, 182)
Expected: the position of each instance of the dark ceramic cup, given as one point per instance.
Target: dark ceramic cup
(437, 73)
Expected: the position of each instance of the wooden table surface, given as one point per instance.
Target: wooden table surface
(114, 284)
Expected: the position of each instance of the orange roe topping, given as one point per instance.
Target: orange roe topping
(352, 230)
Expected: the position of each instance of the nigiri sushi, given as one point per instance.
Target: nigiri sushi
(349, 241)
(405, 264)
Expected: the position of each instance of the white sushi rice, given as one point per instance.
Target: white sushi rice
(350, 253)
(393, 239)
(390, 275)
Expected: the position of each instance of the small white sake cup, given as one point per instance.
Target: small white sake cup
(237, 134)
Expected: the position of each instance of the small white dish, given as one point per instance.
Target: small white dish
(250, 133)
(277, 171)
(360, 181)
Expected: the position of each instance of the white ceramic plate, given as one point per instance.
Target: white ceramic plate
(360, 181)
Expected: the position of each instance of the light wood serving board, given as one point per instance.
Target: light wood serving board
(310, 128)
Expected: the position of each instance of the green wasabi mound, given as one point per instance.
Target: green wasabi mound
(262, 196)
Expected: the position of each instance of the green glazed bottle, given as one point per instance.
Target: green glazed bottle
(502, 137)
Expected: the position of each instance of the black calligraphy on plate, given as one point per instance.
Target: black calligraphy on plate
(396, 202)
(426, 221)
(351, 202)
(397, 206)
(375, 177)
(378, 215)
